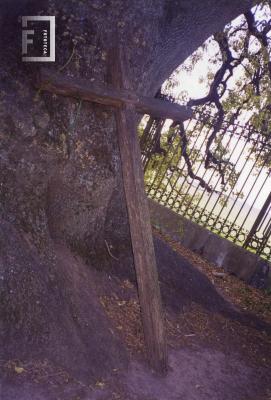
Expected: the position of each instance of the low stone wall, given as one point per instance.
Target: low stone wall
(219, 251)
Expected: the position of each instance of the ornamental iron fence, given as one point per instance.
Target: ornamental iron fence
(232, 197)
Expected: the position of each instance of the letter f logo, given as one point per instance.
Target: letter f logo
(25, 34)
(28, 38)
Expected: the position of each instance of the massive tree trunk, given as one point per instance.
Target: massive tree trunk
(61, 193)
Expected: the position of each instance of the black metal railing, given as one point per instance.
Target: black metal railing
(236, 206)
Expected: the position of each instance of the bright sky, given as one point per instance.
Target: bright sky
(194, 83)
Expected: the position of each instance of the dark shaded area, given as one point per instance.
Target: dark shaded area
(60, 172)
(60, 317)
(203, 372)
(182, 283)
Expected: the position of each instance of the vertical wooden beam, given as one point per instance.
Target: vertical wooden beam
(140, 229)
(142, 243)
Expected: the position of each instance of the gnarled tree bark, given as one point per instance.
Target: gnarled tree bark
(61, 190)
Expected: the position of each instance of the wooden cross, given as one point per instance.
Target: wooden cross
(127, 103)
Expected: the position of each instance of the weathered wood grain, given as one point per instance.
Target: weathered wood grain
(142, 242)
(140, 226)
(110, 96)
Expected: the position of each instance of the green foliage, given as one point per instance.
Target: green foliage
(238, 95)
(160, 166)
(244, 87)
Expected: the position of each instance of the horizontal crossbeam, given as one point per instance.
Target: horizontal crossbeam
(109, 96)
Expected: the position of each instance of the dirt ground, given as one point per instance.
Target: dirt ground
(219, 338)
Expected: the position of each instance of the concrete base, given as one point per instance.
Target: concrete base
(219, 251)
